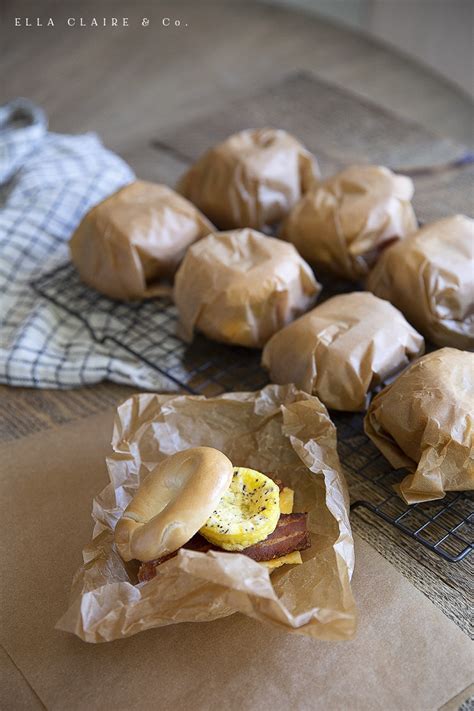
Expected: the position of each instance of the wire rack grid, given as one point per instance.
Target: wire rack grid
(148, 331)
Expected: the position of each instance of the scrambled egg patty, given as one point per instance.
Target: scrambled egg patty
(246, 514)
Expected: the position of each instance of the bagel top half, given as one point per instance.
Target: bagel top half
(173, 503)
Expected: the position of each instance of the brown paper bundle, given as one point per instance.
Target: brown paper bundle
(342, 349)
(127, 244)
(278, 430)
(424, 421)
(430, 278)
(241, 287)
(343, 224)
(252, 179)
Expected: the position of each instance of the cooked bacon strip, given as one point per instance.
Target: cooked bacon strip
(289, 535)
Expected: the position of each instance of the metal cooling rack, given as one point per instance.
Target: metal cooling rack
(148, 331)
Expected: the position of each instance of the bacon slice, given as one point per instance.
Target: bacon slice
(290, 535)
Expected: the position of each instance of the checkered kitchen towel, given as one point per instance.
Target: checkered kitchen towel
(47, 183)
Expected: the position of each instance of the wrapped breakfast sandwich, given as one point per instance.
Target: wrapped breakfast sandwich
(240, 287)
(133, 240)
(343, 224)
(430, 278)
(216, 506)
(252, 179)
(342, 349)
(424, 421)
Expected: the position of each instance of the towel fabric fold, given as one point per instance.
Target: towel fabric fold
(48, 182)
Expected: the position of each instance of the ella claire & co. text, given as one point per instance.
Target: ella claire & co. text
(73, 22)
(93, 22)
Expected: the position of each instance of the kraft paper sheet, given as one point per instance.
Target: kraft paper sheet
(236, 660)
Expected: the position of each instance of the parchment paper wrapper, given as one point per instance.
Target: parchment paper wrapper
(252, 179)
(430, 278)
(343, 224)
(277, 430)
(241, 287)
(126, 245)
(342, 349)
(424, 421)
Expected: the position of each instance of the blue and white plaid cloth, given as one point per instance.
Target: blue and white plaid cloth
(47, 183)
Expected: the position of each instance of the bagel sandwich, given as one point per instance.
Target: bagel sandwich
(196, 499)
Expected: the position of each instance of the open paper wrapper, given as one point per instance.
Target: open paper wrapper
(278, 430)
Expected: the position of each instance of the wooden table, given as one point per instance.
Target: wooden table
(131, 83)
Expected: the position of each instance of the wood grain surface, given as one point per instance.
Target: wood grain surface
(138, 85)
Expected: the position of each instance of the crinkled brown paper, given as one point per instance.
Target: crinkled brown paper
(128, 244)
(278, 430)
(344, 223)
(430, 278)
(424, 421)
(342, 349)
(252, 179)
(240, 287)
